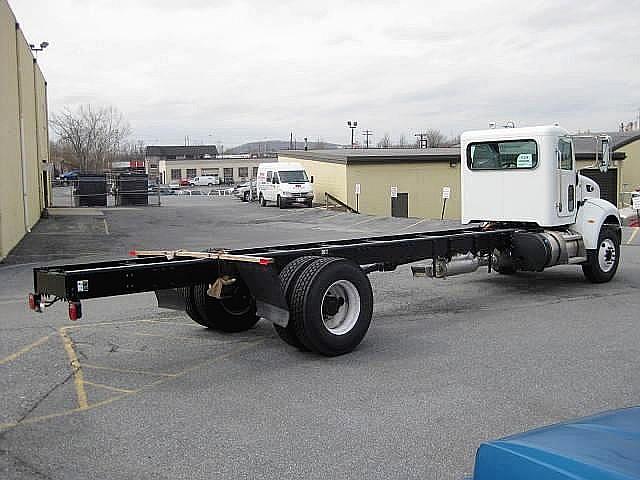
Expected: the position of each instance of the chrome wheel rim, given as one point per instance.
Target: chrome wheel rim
(607, 255)
(340, 307)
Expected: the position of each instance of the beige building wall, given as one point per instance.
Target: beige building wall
(22, 151)
(327, 177)
(629, 179)
(42, 128)
(28, 124)
(422, 181)
(165, 167)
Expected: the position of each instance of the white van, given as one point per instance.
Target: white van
(284, 184)
(205, 180)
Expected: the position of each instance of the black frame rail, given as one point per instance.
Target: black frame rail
(175, 269)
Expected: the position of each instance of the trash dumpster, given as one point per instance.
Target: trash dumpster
(90, 190)
(131, 188)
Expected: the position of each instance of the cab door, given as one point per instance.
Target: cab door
(269, 187)
(566, 204)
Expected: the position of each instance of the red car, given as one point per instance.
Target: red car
(184, 182)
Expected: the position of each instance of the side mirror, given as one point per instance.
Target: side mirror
(311, 179)
(273, 180)
(605, 161)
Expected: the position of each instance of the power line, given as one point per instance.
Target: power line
(367, 134)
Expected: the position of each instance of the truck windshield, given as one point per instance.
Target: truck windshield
(505, 155)
(293, 176)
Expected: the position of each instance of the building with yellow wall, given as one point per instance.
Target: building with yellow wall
(25, 180)
(415, 176)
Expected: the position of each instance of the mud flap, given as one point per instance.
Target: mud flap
(264, 284)
(169, 298)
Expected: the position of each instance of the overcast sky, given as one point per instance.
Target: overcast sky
(231, 71)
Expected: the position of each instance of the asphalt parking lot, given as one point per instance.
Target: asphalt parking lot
(132, 391)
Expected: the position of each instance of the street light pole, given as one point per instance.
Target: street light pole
(352, 126)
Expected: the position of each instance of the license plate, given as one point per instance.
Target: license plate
(300, 200)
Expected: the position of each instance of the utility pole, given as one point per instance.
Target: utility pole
(291, 141)
(367, 134)
(423, 141)
(352, 126)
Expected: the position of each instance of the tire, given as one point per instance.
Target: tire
(288, 277)
(232, 315)
(506, 270)
(321, 323)
(262, 201)
(309, 204)
(189, 304)
(245, 197)
(280, 203)
(602, 263)
(209, 184)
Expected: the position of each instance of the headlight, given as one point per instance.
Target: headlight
(285, 194)
(309, 194)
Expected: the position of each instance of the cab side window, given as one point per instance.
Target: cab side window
(269, 176)
(566, 157)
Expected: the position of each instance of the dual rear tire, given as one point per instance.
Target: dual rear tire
(330, 303)
(233, 314)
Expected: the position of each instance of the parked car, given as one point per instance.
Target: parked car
(68, 177)
(196, 192)
(184, 182)
(246, 191)
(166, 190)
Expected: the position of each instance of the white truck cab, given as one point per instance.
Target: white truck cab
(284, 184)
(527, 177)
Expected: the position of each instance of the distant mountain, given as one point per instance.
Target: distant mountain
(275, 145)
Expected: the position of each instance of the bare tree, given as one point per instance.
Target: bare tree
(453, 141)
(434, 138)
(385, 141)
(95, 135)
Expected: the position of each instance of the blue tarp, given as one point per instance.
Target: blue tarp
(603, 447)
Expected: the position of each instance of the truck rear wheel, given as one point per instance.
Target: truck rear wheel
(602, 263)
(288, 277)
(189, 304)
(331, 306)
(234, 314)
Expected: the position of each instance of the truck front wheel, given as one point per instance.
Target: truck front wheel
(602, 263)
(331, 306)
(235, 313)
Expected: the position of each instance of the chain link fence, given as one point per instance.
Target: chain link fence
(107, 190)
